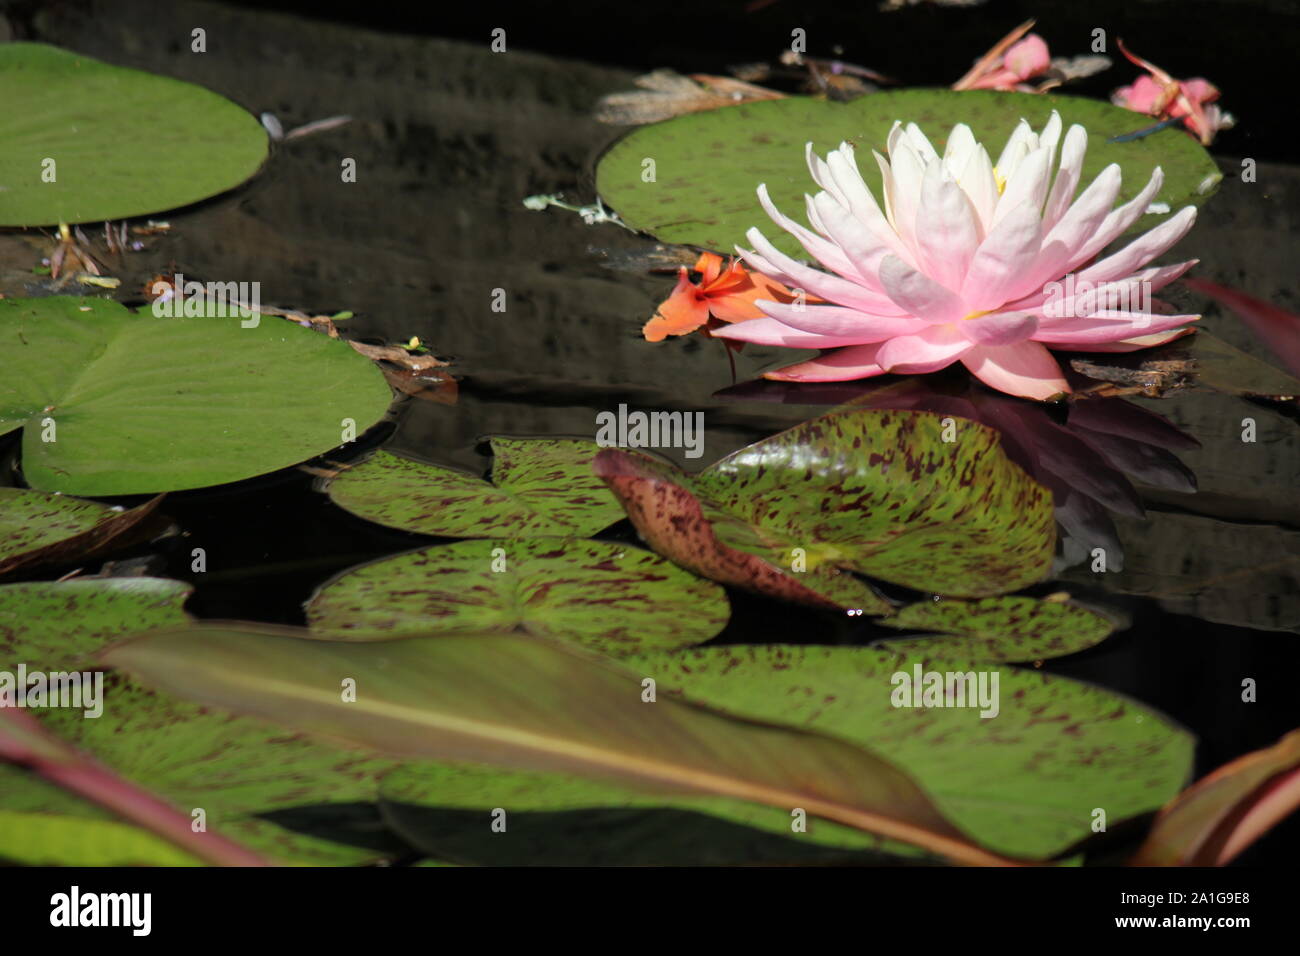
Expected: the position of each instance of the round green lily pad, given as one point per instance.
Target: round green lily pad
(87, 142)
(114, 402)
(707, 165)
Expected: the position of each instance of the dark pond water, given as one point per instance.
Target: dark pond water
(448, 138)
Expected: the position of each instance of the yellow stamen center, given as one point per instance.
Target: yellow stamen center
(975, 315)
(998, 178)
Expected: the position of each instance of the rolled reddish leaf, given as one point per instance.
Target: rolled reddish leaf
(1211, 822)
(672, 521)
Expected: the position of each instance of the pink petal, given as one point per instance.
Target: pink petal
(770, 261)
(1079, 224)
(1142, 342)
(1118, 220)
(1004, 328)
(1067, 177)
(917, 294)
(1025, 369)
(947, 244)
(1140, 251)
(838, 321)
(859, 244)
(1028, 184)
(823, 250)
(1028, 58)
(768, 331)
(1002, 261)
(1102, 327)
(929, 350)
(1130, 294)
(842, 365)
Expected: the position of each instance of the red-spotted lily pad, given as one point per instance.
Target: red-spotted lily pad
(612, 598)
(893, 495)
(56, 625)
(38, 528)
(1013, 781)
(998, 629)
(538, 487)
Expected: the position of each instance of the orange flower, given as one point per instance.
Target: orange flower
(728, 295)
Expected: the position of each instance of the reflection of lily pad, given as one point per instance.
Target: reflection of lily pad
(707, 165)
(998, 629)
(539, 487)
(76, 113)
(612, 598)
(1014, 782)
(38, 528)
(53, 625)
(880, 493)
(113, 402)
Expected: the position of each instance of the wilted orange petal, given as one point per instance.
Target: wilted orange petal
(683, 311)
(709, 264)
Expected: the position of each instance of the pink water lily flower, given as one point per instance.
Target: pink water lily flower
(986, 264)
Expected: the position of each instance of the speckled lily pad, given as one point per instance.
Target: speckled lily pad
(542, 486)
(880, 493)
(38, 528)
(612, 598)
(998, 629)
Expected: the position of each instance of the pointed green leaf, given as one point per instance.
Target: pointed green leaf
(518, 701)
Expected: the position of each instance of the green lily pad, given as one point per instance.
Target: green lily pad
(1015, 782)
(58, 829)
(233, 768)
(707, 165)
(115, 402)
(78, 114)
(542, 486)
(57, 625)
(879, 493)
(38, 528)
(611, 598)
(998, 629)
